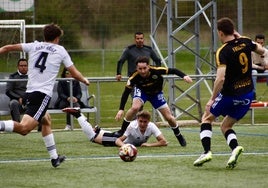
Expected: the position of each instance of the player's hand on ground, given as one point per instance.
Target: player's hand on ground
(145, 144)
(119, 115)
(188, 79)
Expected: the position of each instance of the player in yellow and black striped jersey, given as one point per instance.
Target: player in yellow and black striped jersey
(147, 82)
(235, 56)
(232, 92)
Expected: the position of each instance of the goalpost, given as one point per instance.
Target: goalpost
(12, 32)
(17, 35)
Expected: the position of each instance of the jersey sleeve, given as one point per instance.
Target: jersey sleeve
(67, 61)
(121, 61)
(124, 98)
(155, 130)
(155, 58)
(27, 47)
(176, 72)
(220, 57)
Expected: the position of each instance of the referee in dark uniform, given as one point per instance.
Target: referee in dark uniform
(132, 52)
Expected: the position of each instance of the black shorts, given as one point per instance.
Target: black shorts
(108, 139)
(37, 104)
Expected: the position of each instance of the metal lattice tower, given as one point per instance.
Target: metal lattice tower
(176, 23)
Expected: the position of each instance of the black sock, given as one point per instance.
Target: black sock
(76, 114)
(176, 131)
(121, 131)
(124, 125)
(205, 134)
(206, 143)
(233, 142)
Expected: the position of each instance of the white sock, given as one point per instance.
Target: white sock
(86, 127)
(50, 145)
(7, 126)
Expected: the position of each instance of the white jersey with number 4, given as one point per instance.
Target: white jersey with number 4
(44, 62)
(135, 137)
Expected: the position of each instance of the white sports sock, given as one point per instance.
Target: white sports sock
(50, 145)
(86, 127)
(7, 126)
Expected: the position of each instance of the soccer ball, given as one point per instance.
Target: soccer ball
(128, 152)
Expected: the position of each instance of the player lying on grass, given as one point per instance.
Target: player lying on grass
(137, 133)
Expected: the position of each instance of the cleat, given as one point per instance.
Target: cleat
(205, 157)
(232, 162)
(68, 128)
(181, 140)
(56, 162)
(73, 111)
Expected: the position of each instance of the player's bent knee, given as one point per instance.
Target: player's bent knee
(25, 131)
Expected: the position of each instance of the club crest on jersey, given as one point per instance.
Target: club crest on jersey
(154, 76)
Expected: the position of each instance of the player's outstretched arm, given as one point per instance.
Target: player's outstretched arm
(187, 79)
(161, 141)
(119, 115)
(76, 74)
(119, 141)
(10, 47)
(181, 74)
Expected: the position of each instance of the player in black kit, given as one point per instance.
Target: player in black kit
(147, 82)
(232, 92)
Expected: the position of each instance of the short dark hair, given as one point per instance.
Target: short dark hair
(138, 33)
(51, 32)
(259, 36)
(145, 114)
(226, 25)
(143, 59)
(22, 59)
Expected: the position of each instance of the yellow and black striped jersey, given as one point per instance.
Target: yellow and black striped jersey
(150, 85)
(236, 56)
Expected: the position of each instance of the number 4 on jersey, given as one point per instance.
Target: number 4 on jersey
(41, 61)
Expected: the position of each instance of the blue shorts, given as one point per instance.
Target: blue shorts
(157, 100)
(233, 106)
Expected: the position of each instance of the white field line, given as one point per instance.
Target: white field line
(116, 157)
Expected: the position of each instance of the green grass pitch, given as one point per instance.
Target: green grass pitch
(24, 162)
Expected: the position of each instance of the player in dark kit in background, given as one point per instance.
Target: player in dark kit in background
(147, 82)
(132, 52)
(232, 92)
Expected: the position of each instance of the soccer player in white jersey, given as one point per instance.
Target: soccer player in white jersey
(138, 132)
(44, 61)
